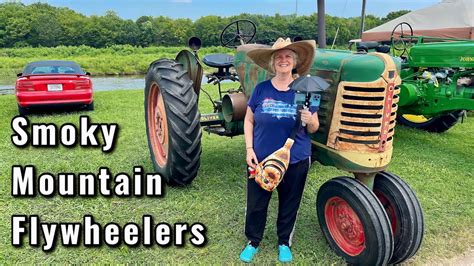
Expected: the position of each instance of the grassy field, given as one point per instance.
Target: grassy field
(115, 60)
(438, 167)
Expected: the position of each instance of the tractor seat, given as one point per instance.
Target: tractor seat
(218, 60)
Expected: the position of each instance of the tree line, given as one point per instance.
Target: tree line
(43, 25)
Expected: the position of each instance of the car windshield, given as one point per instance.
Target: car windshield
(52, 67)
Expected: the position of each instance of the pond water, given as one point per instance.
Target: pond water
(100, 83)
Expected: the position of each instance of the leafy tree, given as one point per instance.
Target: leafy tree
(146, 32)
(183, 30)
(166, 31)
(17, 31)
(129, 33)
(40, 24)
(14, 24)
(394, 15)
(208, 28)
(74, 27)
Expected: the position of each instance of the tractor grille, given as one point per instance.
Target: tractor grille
(366, 118)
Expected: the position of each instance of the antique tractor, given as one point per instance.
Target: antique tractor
(437, 78)
(374, 218)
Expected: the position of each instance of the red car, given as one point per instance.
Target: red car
(52, 83)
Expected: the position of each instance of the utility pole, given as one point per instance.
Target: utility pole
(362, 19)
(321, 25)
(296, 8)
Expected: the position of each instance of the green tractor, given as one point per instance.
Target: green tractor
(437, 78)
(371, 218)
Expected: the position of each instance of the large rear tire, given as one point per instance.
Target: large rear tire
(438, 124)
(404, 212)
(354, 222)
(172, 122)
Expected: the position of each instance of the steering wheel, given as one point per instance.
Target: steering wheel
(401, 37)
(239, 32)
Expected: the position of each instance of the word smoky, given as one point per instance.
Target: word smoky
(46, 135)
(25, 183)
(93, 234)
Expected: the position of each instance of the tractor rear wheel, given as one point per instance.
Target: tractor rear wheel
(436, 124)
(172, 122)
(354, 222)
(404, 212)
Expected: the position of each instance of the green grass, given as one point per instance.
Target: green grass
(114, 60)
(438, 167)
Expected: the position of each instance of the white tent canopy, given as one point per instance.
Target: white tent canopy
(448, 19)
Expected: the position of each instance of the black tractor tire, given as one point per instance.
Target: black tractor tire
(172, 122)
(23, 111)
(438, 124)
(90, 107)
(354, 222)
(404, 212)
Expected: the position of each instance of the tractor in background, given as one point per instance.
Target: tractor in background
(437, 77)
(371, 218)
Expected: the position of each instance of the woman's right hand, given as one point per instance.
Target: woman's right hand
(251, 158)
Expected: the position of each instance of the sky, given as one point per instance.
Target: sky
(193, 9)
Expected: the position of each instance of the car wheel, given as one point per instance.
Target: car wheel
(90, 107)
(23, 110)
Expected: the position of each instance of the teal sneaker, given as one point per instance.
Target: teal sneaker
(248, 253)
(284, 253)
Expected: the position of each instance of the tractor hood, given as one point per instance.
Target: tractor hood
(442, 54)
(335, 65)
(352, 67)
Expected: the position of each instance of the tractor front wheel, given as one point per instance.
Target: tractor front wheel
(354, 222)
(172, 122)
(404, 212)
(436, 124)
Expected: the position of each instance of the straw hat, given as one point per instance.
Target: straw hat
(303, 49)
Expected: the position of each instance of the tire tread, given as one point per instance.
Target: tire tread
(184, 132)
(372, 208)
(408, 246)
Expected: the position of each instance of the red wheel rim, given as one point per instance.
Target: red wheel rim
(344, 226)
(157, 125)
(389, 209)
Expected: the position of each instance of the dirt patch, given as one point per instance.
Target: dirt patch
(465, 259)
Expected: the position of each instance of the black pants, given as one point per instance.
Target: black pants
(290, 191)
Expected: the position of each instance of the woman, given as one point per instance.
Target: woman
(271, 116)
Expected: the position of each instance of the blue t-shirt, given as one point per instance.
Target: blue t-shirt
(274, 119)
